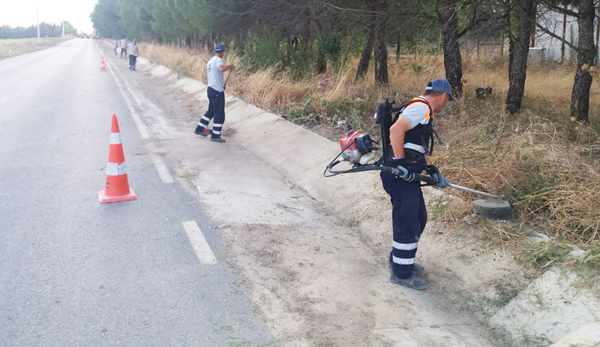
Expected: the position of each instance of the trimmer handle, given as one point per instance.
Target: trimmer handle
(423, 178)
(427, 179)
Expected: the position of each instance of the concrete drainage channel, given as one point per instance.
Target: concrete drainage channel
(545, 312)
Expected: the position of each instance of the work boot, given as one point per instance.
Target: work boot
(200, 131)
(413, 282)
(418, 269)
(217, 139)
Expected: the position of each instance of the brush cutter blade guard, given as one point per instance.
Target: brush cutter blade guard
(493, 208)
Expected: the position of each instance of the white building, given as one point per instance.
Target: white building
(561, 25)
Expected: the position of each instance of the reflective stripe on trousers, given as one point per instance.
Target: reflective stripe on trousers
(216, 110)
(409, 217)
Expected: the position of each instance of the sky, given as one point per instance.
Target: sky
(23, 12)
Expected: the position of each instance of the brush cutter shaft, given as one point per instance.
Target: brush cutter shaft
(429, 180)
(474, 191)
(226, 79)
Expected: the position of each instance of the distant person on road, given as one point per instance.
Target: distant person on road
(133, 51)
(216, 96)
(115, 45)
(124, 48)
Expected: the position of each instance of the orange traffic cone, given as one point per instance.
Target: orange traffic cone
(102, 68)
(117, 184)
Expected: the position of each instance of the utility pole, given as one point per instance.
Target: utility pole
(37, 6)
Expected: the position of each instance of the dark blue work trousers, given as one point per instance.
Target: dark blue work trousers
(216, 110)
(409, 216)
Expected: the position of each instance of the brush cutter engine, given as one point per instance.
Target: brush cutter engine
(357, 148)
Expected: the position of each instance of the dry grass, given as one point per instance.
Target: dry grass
(13, 47)
(544, 163)
(265, 88)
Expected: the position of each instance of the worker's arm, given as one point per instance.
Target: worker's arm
(397, 132)
(224, 68)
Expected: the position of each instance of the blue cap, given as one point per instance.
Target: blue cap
(441, 85)
(219, 48)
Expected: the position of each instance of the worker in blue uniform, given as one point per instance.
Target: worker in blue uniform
(411, 142)
(216, 96)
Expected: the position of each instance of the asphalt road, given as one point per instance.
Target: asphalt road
(77, 272)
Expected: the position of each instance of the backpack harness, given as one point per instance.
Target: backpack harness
(418, 141)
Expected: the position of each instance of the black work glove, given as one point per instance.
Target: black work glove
(440, 181)
(405, 172)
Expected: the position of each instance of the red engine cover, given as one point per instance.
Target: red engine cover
(347, 142)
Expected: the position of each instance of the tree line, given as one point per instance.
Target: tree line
(316, 35)
(46, 30)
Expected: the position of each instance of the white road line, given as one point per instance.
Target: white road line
(159, 164)
(124, 81)
(201, 247)
(163, 172)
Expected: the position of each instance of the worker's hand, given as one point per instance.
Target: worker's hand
(405, 172)
(440, 181)
(232, 67)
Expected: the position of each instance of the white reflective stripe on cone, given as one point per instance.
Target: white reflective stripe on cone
(403, 261)
(114, 169)
(115, 138)
(405, 246)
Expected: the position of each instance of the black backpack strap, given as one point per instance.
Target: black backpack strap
(383, 117)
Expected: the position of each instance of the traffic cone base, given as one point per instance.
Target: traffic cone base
(104, 198)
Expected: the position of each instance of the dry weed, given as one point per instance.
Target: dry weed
(540, 160)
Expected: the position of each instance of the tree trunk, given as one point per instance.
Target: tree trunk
(597, 34)
(564, 36)
(580, 98)
(188, 42)
(452, 56)
(518, 65)
(398, 46)
(365, 56)
(210, 43)
(241, 42)
(347, 51)
(321, 61)
(381, 53)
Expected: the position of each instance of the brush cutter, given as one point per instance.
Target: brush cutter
(226, 79)
(358, 149)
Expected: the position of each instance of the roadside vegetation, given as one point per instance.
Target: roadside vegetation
(12, 47)
(20, 40)
(326, 65)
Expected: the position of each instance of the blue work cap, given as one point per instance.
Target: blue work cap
(441, 85)
(219, 48)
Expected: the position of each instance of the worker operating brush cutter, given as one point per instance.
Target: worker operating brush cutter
(406, 141)
(411, 141)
